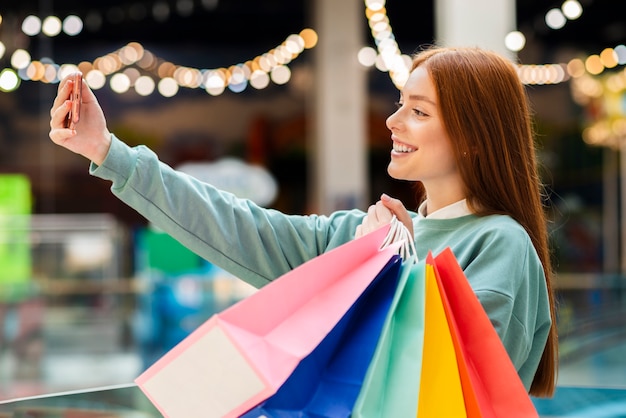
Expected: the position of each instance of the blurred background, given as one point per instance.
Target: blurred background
(283, 102)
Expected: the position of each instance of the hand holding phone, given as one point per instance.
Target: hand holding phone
(76, 97)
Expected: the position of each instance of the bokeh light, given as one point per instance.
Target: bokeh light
(20, 58)
(555, 19)
(515, 41)
(72, 25)
(168, 87)
(144, 85)
(51, 26)
(95, 79)
(259, 79)
(161, 11)
(9, 81)
(280, 74)
(367, 56)
(31, 25)
(120, 83)
(572, 9)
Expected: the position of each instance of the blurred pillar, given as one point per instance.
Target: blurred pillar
(482, 23)
(339, 165)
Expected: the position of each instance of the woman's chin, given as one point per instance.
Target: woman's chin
(397, 174)
(394, 173)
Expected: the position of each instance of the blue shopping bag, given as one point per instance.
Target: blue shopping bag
(327, 382)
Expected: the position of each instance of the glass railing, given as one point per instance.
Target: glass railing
(592, 333)
(119, 401)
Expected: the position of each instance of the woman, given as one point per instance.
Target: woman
(462, 133)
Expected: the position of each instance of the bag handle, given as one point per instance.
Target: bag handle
(398, 232)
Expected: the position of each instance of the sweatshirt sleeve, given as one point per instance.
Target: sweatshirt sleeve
(255, 244)
(509, 281)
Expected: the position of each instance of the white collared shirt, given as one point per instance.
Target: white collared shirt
(454, 210)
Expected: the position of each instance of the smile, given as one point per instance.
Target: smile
(397, 147)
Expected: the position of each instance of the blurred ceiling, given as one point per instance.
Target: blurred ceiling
(253, 25)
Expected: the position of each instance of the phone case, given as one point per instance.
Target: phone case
(74, 114)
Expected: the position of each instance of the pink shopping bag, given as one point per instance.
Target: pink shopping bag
(242, 355)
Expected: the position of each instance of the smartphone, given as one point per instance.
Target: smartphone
(74, 114)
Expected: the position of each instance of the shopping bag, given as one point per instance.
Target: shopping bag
(242, 355)
(450, 362)
(327, 382)
(415, 372)
(440, 389)
(491, 385)
(392, 381)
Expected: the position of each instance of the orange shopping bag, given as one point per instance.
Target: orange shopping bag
(241, 356)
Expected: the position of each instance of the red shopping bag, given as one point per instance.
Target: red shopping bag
(491, 385)
(241, 356)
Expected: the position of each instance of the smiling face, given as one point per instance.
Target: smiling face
(422, 150)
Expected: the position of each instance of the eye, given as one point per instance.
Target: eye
(417, 112)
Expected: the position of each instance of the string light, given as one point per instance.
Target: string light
(604, 99)
(236, 78)
(272, 65)
(389, 58)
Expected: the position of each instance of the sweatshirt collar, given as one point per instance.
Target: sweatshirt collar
(455, 210)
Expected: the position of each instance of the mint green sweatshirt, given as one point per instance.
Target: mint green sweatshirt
(258, 244)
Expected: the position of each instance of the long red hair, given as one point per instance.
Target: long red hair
(485, 111)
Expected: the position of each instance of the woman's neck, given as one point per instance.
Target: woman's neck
(439, 201)
(443, 192)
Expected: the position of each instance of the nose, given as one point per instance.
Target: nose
(392, 121)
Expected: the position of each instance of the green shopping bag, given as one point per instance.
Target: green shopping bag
(398, 356)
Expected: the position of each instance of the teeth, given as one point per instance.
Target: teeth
(402, 148)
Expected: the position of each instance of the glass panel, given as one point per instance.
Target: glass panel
(122, 401)
(99, 304)
(592, 332)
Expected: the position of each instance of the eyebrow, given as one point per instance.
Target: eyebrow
(422, 98)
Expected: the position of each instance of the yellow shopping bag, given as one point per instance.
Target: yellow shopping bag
(440, 393)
